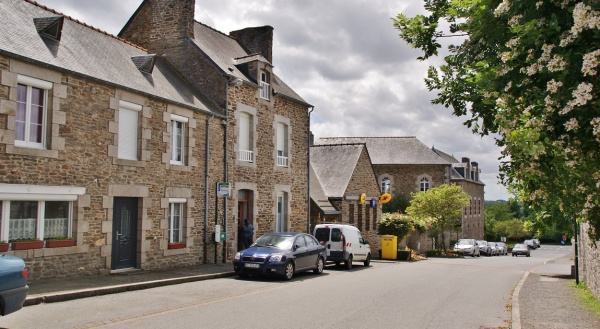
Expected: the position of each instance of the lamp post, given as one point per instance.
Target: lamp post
(575, 230)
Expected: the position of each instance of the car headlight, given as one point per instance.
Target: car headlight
(237, 256)
(277, 258)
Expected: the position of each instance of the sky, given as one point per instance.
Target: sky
(345, 58)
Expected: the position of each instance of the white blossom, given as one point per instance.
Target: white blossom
(502, 8)
(553, 85)
(590, 62)
(572, 124)
(557, 64)
(514, 21)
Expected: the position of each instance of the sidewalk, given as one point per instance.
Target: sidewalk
(543, 298)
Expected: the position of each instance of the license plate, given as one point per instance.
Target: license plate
(252, 265)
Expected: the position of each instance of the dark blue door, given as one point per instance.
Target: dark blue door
(124, 251)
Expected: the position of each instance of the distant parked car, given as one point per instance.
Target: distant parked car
(281, 254)
(494, 249)
(13, 284)
(468, 247)
(537, 243)
(484, 248)
(502, 247)
(530, 243)
(521, 249)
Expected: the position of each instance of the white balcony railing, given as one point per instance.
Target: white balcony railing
(246, 156)
(282, 161)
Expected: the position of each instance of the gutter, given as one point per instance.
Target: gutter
(308, 174)
(206, 188)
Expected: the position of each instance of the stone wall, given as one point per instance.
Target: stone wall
(589, 260)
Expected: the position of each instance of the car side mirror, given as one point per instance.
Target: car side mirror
(365, 242)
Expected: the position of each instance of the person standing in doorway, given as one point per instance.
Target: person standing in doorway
(248, 232)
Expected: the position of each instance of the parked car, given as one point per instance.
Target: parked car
(502, 247)
(281, 254)
(530, 243)
(468, 247)
(521, 249)
(13, 284)
(494, 250)
(344, 243)
(484, 248)
(537, 243)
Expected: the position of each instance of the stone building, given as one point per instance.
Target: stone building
(344, 173)
(404, 165)
(465, 174)
(267, 122)
(102, 142)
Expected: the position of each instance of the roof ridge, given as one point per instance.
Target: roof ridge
(87, 25)
(371, 137)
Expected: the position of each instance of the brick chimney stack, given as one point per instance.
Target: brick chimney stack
(257, 40)
(161, 24)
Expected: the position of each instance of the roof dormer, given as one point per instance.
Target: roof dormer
(144, 63)
(49, 26)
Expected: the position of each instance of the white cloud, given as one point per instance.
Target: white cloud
(343, 57)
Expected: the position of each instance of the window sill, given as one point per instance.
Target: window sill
(132, 163)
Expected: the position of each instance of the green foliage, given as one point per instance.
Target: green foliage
(395, 224)
(397, 204)
(525, 71)
(439, 208)
(444, 253)
(512, 229)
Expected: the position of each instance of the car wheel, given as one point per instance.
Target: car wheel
(348, 263)
(288, 272)
(368, 260)
(528, 255)
(320, 266)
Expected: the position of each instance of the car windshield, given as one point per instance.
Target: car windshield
(519, 246)
(463, 242)
(273, 240)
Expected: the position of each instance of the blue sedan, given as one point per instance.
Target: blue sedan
(281, 254)
(13, 284)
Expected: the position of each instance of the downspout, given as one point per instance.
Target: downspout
(225, 176)
(206, 188)
(308, 174)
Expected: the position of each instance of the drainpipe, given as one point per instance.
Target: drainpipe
(206, 188)
(308, 174)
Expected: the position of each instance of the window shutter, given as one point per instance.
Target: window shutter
(244, 131)
(128, 134)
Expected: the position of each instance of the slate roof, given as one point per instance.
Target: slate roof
(226, 53)
(458, 168)
(94, 54)
(317, 194)
(334, 165)
(392, 150)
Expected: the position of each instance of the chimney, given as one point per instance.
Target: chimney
(160, 24)
(476, 170)
(257, 40)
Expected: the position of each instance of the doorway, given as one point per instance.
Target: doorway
(244, 211)
(124, 234)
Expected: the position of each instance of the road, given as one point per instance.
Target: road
(435, 293)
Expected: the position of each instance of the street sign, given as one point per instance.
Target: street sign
(223, 190)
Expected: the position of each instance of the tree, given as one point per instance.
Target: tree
(395, 224)
(525, 71)
(397, 204)
(513, 229)
(441, 206)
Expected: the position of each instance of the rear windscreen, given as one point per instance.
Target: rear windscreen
(322, 234)
(336, 235)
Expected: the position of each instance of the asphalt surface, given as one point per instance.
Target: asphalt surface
(544, 298)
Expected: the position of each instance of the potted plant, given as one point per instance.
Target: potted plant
(59, 241)
(24, 244)
(177, 245)
(4, 246)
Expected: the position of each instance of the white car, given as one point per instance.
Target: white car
(468, 247)
(494, 250)
(484, 248)
(502, 248)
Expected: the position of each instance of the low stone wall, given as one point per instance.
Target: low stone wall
(589, 261)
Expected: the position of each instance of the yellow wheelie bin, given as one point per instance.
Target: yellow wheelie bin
(389, 247)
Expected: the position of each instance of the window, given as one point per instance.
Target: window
(176, 220)
(282, 145)
(128, 130)
(280, 223)
(385, 185)
(178, 124)
(424, 184)
(245, 140)
(264, 85)
(32, 111)
(36, 219)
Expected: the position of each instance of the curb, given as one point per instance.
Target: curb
(91, 292)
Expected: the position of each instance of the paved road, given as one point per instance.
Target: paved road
(437, 293)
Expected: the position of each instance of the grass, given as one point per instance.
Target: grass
(587, 298)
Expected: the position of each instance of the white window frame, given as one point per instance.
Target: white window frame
(280, 220)
(424, 184)
(265, 88)
(174, 139)
(40, 218)
(173, 204)
(245, 139)
(127, 147)
(386, 184)
(31, 83)
(282, 145)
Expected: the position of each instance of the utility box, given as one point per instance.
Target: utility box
(389, 247)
